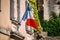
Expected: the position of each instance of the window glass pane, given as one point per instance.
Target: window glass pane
(18, 10)
(11, 9)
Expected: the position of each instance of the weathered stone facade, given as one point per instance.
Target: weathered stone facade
(49, 6)
(12, 9)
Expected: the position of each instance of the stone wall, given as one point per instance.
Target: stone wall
(50, 38)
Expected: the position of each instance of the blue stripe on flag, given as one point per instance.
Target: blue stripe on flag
(26, 13)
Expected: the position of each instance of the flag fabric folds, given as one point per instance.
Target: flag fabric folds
(26, 13)
(28, 18)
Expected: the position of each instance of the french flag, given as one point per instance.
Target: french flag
(28, 18)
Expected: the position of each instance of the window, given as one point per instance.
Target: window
(18, 10)
(15, 20)
(0, 5)
(12, 6)
(12, 9)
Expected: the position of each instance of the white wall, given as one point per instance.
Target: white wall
(5, 14)
(46, 10)
(56, 9)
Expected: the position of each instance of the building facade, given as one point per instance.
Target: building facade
(45, 8)
(51, 6)
(11, 13)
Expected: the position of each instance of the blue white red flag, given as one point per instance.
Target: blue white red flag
(28, 18)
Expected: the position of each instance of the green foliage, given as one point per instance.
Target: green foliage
(33, 5)
(52, 26)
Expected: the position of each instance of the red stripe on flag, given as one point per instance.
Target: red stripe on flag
(31, 22)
